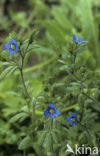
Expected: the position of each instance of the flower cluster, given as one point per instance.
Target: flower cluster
(78, 40)
(51, 111)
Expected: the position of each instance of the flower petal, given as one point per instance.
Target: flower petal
(74, 38)
(75, 122)
(68, 118)
(46, 113)
(52, 116)
(7, 46)
(74, 115)
(11, 52)
(57, 112)
(79, 39)
(83, 41)
(13, 42)
(70, 67)
(51, 106)
(71, 123)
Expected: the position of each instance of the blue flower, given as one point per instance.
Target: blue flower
(12, 46)
(51, 111)
(70, 67)
(78, 40)
(72, 119)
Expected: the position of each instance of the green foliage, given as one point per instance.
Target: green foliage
(24, 144)
(39, 74)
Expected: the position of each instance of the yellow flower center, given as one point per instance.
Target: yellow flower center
(51, 110)
(12, 46)
(73, 119)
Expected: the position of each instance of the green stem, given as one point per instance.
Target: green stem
(24, 153)
(38, 66)
(82, 112)
(51, 127)
(91, 98)
(33, 115)
(68, 108)
(82, 105)
(27, 93)
(74, 58)
(23, 81)
(85, 126)
(22, 76)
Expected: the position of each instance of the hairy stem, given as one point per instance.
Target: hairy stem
(27, 93)
(24, 153)
(74, 59)
(86, 128)
(22, 76)
(91, 98)
(23, 81)
(51, 127)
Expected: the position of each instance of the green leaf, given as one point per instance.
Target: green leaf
(4, 64)
(42, 138)
(48, 142)
(59, 14)
(24, 144)
(51, 26)
(86, 19)
(33, 36)
(5, 72)
(55, 138)
(37, 87)
(12, 70)
(31, 47)
(18, 117)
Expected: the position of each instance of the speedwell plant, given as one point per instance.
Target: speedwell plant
(60, 114)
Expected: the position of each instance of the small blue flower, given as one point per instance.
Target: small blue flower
(51, 111)
(72, 119)
(12, 46)
(78, 40)
(70, 67)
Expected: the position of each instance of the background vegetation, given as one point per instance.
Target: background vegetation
(46, 77)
